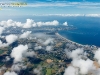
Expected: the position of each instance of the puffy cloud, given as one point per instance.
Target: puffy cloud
(53, 23)
(85, 66)
(3, 44)
(29, 23)
(65, 24)
(7, 58)
(10, 73)
(25, 34)
(96, 72)
(97, 55)
(20, 52)
(38, 47)
(48, 41)
(75, 53)
(10, 23)
(1, 30)
(30, 54)
(49, 48)
(17, 52)
(37, 71)
(11, 38)
(71, 71)
(17, 67)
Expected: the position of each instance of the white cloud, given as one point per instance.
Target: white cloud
(20, 52)
(30, 54)
(29, 23)
(49, 48)
(69, 15)
(3, 44)
(48, 41)
(10, 73)
(65, 24)
(17, 67)
(85, 66)
(97, 55)
(10, 23)
(7, 58)
(1, 30)
(11, 38)
(92, 15)
(17, 52)
(75, 54)
(25, 34)
(38, 47)
(64, 15)
(37, 71)
(71, 71)
(96, 72)
(52, 23)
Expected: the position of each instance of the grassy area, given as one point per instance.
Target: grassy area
(49, 72)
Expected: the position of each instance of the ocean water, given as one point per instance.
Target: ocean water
(87, 32)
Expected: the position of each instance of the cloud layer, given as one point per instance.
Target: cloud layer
(70, 15)
(29, 23)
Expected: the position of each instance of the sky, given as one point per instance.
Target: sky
(40, 7)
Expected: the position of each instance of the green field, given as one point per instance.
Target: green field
(49, 72)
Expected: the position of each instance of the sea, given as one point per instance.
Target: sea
(87, 32)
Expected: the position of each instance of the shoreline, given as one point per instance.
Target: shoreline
(67, 40)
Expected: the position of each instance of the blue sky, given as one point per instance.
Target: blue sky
(52, 7)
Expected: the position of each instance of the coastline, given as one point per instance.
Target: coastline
(57, 34)
(67, 40)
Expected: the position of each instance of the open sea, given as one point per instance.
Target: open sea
(87, 32)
